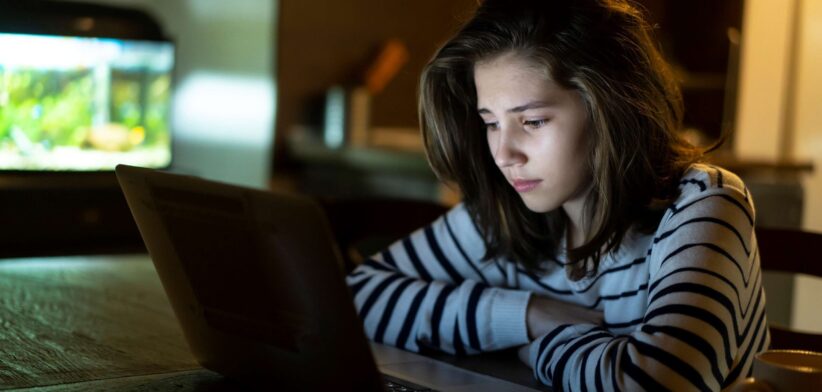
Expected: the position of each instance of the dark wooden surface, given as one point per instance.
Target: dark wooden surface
(70, 320)
(790, 250)
(103, 323)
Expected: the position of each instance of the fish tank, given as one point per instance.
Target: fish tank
(80, 104)
(83, 87)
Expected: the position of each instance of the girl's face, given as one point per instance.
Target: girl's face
(536, 133)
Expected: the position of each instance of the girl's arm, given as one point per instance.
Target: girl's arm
(706, 310)
(431, 289)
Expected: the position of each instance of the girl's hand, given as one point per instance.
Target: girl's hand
(545, 314)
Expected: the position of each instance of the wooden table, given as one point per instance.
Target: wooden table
(103, 323)
(92, 323)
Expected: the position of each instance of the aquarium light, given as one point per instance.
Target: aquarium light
(60, 53)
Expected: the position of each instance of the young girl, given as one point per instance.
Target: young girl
(589, 234)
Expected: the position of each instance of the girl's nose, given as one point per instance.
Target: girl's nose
(508, 152)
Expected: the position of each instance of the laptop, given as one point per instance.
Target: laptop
(256, 282)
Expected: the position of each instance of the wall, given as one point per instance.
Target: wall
(776, 120)
(223, 112)
(762, 79)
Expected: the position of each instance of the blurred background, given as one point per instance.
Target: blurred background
(319, 97)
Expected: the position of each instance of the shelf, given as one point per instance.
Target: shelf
(361, 159)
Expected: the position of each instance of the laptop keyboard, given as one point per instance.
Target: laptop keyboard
(393, 384)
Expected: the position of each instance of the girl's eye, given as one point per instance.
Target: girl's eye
(492, 126)
(535, 123)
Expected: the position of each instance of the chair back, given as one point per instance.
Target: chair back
(797, 252)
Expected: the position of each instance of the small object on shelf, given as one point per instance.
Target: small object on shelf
(334, 117)
(359, 115)
(346, 117)
(348, 109)
(393, 55)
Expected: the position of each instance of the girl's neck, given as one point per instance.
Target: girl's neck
(576, 228)
(575, 236)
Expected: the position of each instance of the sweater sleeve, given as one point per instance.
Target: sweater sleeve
(432, 289)
(705, 315)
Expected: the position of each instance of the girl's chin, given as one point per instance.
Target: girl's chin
(538, 206)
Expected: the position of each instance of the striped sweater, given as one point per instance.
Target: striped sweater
(684, 307)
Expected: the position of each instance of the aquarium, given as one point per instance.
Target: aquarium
(84, 104)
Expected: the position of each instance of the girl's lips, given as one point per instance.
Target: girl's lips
(522, 186)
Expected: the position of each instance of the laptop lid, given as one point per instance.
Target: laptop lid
(254, 279)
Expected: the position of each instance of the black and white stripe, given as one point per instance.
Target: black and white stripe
(684, 307)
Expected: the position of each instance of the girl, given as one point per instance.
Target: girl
(589, 234)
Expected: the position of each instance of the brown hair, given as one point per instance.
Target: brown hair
(603, 50)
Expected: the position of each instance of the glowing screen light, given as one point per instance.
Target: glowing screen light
(84, 104)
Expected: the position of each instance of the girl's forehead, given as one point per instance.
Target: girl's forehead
(513, 76)
(511, 67)
(510, 59)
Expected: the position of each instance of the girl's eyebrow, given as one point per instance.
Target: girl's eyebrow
(521, 108)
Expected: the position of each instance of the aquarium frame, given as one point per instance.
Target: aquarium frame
(71, 19)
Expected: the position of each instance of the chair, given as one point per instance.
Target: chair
(797, 252)
(364, 226)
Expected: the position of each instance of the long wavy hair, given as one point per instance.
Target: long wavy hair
(603, 50)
